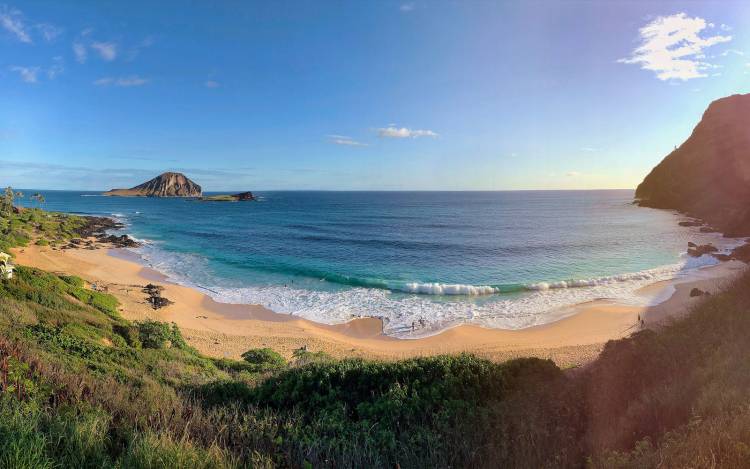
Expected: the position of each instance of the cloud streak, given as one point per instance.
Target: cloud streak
(673, 48)
(106, 50)
(344, 140)
(12, 21)
(27, 74)
(403, 132)
(124, 82)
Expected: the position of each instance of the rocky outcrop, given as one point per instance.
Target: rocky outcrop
(244, 196)
(708, 176)
(695, 250)
(698, 292)
(164, 185)
(241, 197)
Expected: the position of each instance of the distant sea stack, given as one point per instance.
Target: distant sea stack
(164, 185)
(708, 176)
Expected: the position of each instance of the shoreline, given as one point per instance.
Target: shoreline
(227, 330)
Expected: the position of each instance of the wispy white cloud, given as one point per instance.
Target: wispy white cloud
(107, 50)
(212, 84)
(672, 47)
(573, 174)
(589, 149)
(732, 51)
(407, 7)
(344, 140)
(725, 27)
(48, 31)
(125, 82)
(27, 74)
(395, 132)
(79, 50)
(57, 68)
(135, 50)
(12, 21)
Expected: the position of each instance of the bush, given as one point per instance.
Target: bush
(72, 280)
(129, 332)
(42, 242)
(158, 335)
(264, 358)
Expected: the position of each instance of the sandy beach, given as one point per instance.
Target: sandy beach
(226, 330)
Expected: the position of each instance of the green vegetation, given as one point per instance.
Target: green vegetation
(264, 359)
(19, 226)
(82, 387)
(219, 198)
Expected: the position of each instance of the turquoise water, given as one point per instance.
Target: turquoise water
(500, 259)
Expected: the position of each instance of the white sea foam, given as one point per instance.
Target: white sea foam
(449, 289)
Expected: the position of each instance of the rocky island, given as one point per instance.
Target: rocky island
(165, 185)
(708, 176)
(241, 197)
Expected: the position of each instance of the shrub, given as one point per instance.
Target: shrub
(158, 335)
(72, 280)
(42, 242)
(129, 332)
(264, 358)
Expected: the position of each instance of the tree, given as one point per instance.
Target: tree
(39, 198)
(6, 206)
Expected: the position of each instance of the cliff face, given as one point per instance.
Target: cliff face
(164, 185)
(708, 176)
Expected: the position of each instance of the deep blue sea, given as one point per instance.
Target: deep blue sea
(499, 259)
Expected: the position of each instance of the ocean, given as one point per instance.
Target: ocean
(435, 259)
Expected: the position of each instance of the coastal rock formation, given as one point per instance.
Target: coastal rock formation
(708, 176)
(241, 197)
(697, 251)
(164, 185)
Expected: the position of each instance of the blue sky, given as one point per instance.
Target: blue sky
(359, 94)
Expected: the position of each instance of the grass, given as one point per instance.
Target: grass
(47, 228)
(80, 386)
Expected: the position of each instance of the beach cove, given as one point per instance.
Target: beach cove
(228, 330)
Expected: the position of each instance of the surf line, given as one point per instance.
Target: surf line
(208, 289)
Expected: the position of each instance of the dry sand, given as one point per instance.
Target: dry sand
(226, 330)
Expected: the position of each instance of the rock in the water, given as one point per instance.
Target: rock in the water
(690, 223)
(122, 241)
(697, 292)
(708, 229)
(245, 196)
(708, 176)
(742, 253)
(692, 244)
(698, 251)
(164, 185)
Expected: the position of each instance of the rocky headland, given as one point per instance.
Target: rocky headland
(708, 176)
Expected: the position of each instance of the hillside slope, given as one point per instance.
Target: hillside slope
(708, 176)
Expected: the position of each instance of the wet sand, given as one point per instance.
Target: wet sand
(227, 330)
